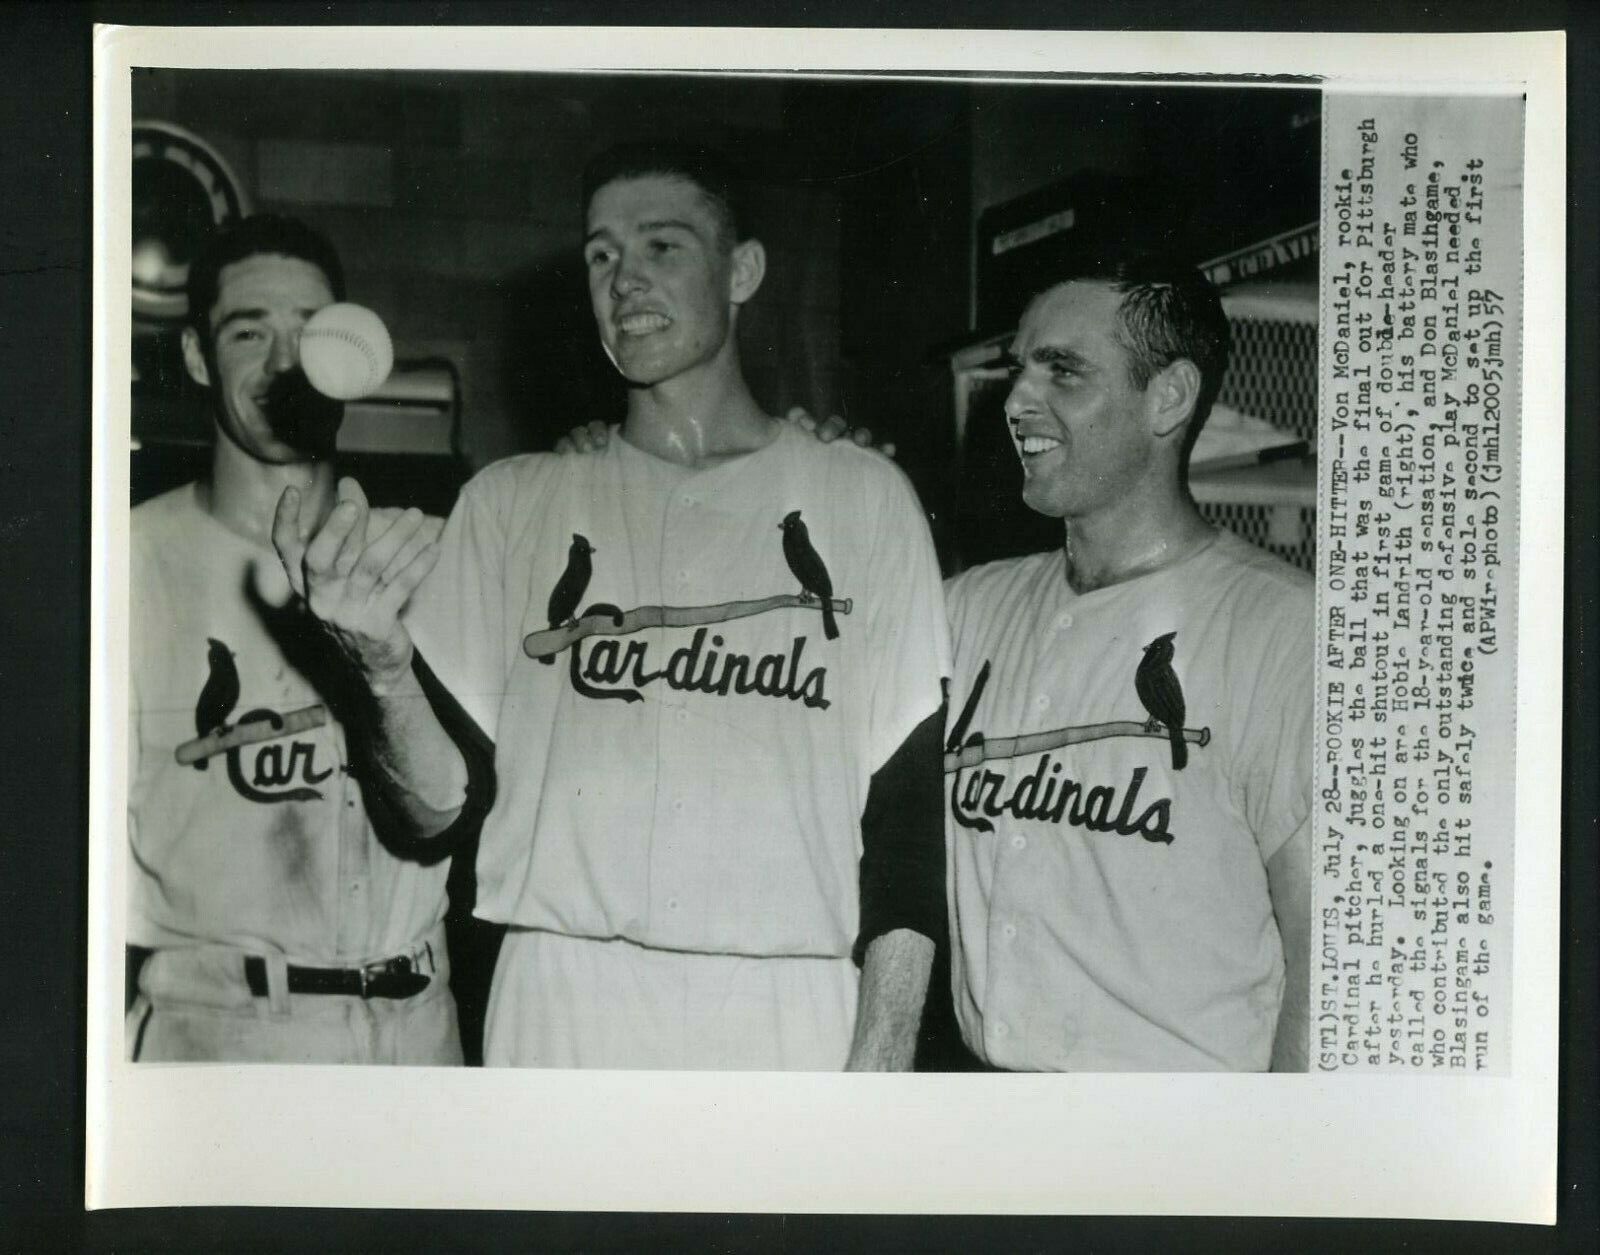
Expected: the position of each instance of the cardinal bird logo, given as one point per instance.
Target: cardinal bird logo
(809, 568)
(220, 694)
(568, 593)
(1162, 695)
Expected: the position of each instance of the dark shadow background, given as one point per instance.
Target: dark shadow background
(453, 200)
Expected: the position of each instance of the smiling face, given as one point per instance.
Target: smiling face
(663, 281)
(1081, 428)
(263, 302)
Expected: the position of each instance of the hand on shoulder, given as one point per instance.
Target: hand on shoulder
(833, 427)
(591, 437)
(595, 437)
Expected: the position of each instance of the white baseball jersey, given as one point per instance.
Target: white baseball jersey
(1110, 912)
(695, 783)
(267, 848)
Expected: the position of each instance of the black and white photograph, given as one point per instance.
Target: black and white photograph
(713, 827)
(642, 586)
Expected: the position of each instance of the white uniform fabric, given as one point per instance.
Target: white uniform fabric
(629, 1006)
(1108, 912)
(268, 850)
(695, 788)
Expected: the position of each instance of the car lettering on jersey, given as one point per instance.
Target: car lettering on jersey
(278, 773)
(274, 769)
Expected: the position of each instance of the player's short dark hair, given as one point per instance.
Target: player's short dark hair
(272, 235)
(1169, 310)
(706, 168)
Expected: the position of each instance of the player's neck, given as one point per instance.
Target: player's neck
(699, 418)
(1137, 538)
(242, 493)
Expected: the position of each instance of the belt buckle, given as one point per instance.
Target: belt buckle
(372, 972)
(398, 974)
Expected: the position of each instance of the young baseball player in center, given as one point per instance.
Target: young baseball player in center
(710, 661)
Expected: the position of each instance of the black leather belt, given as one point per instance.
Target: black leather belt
(390, 978)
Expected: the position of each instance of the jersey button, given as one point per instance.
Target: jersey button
(1008, 931)
(1063, 623)
(1002, 1029)
(1042, 701)
(1019, 842)
(672, 904)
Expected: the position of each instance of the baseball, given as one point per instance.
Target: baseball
(346, 351)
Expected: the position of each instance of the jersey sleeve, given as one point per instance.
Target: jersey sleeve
(457, 618)
(955, 606)
(1277, 749)
(910, 639)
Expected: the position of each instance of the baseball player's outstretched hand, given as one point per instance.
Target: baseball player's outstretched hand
(355, 583)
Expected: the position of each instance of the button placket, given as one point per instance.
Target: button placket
(353, 862)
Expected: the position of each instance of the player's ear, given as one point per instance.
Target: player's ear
(194, 358)
(1172, 395)
(749, 267)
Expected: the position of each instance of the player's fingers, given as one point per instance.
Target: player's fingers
(380, 553)
(397, 591)
(416, 542)
(286, 539)
(831, 428)
(580, 439)
(564, 444)
(599, 434)
(799, 414)
(355, 542)
(862, 436)
(887, 448)
(330, 538)
(380, 518)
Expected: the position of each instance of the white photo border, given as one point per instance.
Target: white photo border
(1337, 1146)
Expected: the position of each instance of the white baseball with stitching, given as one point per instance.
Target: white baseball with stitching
(346, 351)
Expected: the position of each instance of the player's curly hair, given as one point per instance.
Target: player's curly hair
(706, 168)
(273, 235)
(1169, 311)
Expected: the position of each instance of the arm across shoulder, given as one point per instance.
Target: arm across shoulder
(595, 436)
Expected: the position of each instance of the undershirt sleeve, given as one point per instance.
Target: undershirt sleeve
(902, 835)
